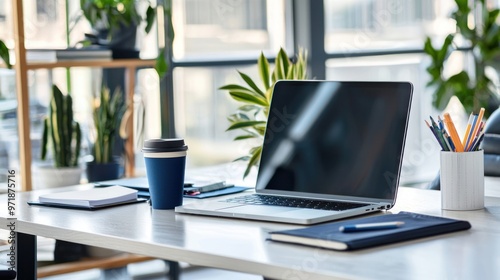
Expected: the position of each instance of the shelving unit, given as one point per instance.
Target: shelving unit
(21, 67)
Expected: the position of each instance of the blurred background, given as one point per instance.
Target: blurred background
(376, 40)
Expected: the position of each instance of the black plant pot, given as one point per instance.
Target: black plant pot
(122, 41)
(103, 171)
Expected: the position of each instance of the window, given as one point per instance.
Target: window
(45, 28)
(383, 40)
(353, 26)
(46, 10)
(363, 40)
(227, 28)
(347, 40)
(214, 40)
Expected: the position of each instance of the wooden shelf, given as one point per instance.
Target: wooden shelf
(22, 66)
(115, 63)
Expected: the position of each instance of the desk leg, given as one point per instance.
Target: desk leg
(26, 256)
(174, 270)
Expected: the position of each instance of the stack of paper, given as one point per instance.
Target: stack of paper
(53, 55)
(95, 197)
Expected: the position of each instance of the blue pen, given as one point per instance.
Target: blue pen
(370, 226)
(434, 123)
(476, 143)
(452, 147)
(440, 121)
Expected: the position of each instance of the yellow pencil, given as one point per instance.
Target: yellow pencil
(475, 131)
(453, 133)
(467, 130)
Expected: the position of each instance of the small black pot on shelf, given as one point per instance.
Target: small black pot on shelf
(103, 171)
(122, 42)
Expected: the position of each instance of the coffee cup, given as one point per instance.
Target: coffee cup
(165, 168)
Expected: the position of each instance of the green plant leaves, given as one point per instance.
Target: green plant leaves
(245, 124)
(251, 84)
(472, 88)
(45, 139)
(243, 137)
(61, 132)
(263, 65)
(254, 159)
(284, 63)
(4, 54)
(150, 19)
(248, 98)
(107, 117)
(243, 94)
(161, 65)
(250, 117)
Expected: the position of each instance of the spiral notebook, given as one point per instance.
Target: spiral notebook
(89, 199)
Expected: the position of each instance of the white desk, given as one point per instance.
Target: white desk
(241, 245)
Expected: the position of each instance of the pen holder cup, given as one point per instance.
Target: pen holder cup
(462, 180)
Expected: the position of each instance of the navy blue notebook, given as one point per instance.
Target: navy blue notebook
(330, 235)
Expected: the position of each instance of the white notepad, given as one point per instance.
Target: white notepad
(94, 197)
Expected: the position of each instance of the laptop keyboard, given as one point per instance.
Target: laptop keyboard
(256, 199)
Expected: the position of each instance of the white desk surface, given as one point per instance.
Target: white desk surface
(242, 246)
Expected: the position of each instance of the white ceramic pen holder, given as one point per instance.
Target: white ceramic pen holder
(462, 180)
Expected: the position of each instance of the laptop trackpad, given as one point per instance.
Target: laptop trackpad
(277, 211)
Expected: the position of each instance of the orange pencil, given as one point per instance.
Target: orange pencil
(453, 133)
(475, 131)
(467, 131)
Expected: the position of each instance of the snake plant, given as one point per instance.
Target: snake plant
(251, 117)
(61, 131)
(107, 115)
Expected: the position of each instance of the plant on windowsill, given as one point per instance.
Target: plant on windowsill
(251, 117)
(62, 135)
(115, 22)
(474, 90)
(107, 114)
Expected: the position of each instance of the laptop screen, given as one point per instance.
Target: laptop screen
(328, 139)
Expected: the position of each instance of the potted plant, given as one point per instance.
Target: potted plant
(474, 90)
(250, 118)
(107, 113)
(110, 18)
(115, 22)
(63, 136)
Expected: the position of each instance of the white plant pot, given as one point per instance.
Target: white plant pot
(51, 177)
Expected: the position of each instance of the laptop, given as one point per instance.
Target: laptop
(331, 150)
